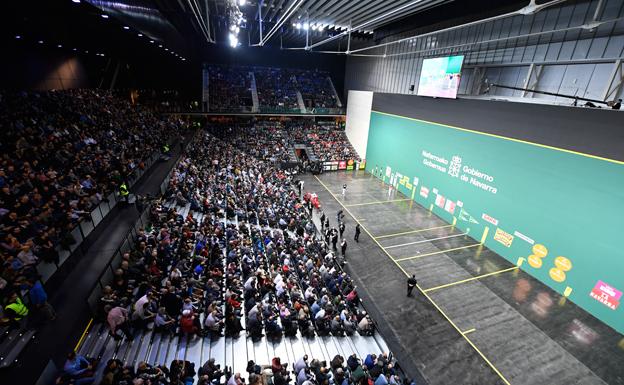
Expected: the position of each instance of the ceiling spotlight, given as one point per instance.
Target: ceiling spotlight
(314, 27)
(126, 27)
(320, 28)
(59, 46)
(86, 51)
(306, 26)
(233, 40)
(242, 2)
(139, 34)
(104, 16)
(294, 25)
(166, 49)
(76, 1)
(18, 37)
(298, 25)
(183, 59)
(152, 41)
(74, 49)
(40, 42)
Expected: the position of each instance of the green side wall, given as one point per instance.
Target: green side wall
(570, 203)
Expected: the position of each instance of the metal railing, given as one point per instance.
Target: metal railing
(126, 244)
(73, 241)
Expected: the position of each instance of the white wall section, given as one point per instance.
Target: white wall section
(359, 104)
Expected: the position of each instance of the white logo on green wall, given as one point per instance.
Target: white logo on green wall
(455, 169)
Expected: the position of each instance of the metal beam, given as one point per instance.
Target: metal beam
(293, 7)
(500, 39)
(360, 26)
(531, 81)
(472, 23)
(611, 88)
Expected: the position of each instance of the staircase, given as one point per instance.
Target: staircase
(331, 85)
(311, 154)
(302, 106)
(254, 93)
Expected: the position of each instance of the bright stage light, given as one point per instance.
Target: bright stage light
(242, 2)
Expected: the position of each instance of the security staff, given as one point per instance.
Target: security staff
(123, 191)
(341, 227)
(15, 311)
(357, 233)
(343, 247)
(411, 283)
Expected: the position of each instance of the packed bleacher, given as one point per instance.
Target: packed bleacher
(273, 139)
(277, 89)
(316, 89)
(231, 248)
(230, 89)
(63, 153)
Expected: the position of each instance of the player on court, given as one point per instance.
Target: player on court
(344, 190)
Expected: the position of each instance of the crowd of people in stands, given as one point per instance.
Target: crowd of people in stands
(63, 152)
(245, 257)
(277, 88)
(330, 143)
(230, 89)
(274, 140)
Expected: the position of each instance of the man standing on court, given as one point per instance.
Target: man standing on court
(341, 227)
(343, 247)
(334, 237)
(344, 190)
(411, 283)
(322, 220)
(357, 233)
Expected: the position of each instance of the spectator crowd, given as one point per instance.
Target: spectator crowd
(63, 152)
(230, 89)
(232, 248)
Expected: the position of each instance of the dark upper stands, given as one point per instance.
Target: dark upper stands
(230, 89)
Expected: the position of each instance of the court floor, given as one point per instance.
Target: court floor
(476, 318)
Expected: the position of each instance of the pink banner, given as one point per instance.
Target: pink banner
(607, 295)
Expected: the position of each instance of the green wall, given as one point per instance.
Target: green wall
(570, 203)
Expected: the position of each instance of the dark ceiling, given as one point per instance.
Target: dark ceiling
(180, 31)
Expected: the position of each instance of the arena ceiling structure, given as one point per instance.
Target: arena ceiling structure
(187, 29)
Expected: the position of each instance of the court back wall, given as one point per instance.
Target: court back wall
(558, 210)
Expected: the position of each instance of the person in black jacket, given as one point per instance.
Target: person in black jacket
(411, 284)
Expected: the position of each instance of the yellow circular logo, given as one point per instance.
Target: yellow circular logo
(540, 250)
(563, 263)
(557, 275)
(535, 261)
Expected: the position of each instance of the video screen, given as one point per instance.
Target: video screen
(440, 77)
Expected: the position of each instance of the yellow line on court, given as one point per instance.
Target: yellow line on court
(419, 288)
(412, 231)
(84, 334)
(469, 331)
(505, 138)
(470, 279)
(377, 202)
(436, 252)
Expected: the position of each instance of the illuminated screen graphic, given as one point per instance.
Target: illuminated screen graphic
(440, 77)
